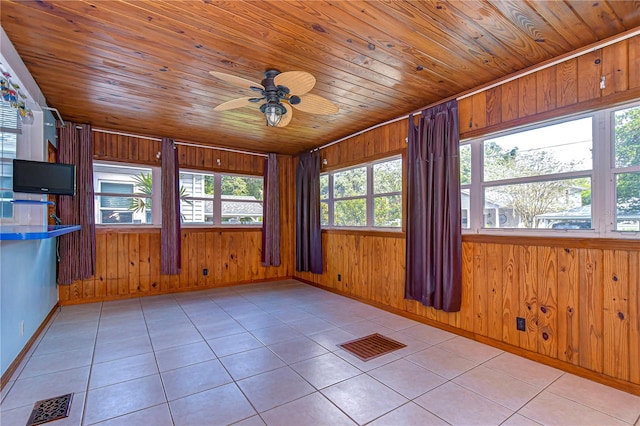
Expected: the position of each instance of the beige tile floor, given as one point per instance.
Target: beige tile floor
(267, 354)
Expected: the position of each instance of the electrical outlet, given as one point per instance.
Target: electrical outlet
(22, 328)
(521, 324)
(205, 272)
(339, 277)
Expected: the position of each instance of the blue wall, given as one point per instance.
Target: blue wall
(27, 292)
(28, 289)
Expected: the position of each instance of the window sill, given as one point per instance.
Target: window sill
(365, 232)
(208, 227)
(150, 229)
(565, 240)
(127, 229)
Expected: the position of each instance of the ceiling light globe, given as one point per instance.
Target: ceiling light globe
(273, 114)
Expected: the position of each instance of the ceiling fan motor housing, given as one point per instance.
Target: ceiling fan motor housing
(274, 94)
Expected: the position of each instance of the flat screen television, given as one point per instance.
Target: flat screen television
(38, 177)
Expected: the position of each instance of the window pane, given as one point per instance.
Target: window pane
(114, 217)
(387, 177)
(116, 188)
(324, 213)
(6, 188)
(465, 164)
(250, 188)
(7, 209)
(241, 212)
(196, 185)
(387, 211)
(119, 179)
(8, 144)
(350, 183)
(324, 187)
(196, 211)
(116, 202)
(350, 212)
(559, 204)
(558, 148)
(628, 202)
(627, 137)
(136, 210)
(465, 206)
(10, 125)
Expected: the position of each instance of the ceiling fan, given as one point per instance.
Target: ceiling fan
(280, 91)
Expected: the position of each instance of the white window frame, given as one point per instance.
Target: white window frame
(369, 197)
(602, 174)
(610, 215)
(201, 198)
(218, 199)
(156, 200)
(15, 132)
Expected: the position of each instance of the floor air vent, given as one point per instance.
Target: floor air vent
(49, 410)
(372, 346)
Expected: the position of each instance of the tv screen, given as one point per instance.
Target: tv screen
(38, 177)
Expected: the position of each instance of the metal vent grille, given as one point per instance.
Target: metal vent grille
(372, 346)
(49, 410)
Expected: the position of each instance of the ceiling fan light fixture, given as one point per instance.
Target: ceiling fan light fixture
(273, 112)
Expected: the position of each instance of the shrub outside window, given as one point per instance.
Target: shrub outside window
(368, 195)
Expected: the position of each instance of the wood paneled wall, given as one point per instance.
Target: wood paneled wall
(568, 87)
(580, 298)
(141, 150)
(381, 142)
(581, 302)
(128, 264)
(128, 259)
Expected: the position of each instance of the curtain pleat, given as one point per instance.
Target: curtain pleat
(308, 237)
(271, 218)
(170, 242)
(77, 249)
(434, 238)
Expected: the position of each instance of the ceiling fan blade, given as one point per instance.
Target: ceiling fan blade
(234, 103)
(315, 104)
(233, 79)
(298, 82)
(287, 117)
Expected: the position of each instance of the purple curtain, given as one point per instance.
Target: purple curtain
(308, 238)
(271, 219)
(170, 243)
(77, 249)
(434, 240)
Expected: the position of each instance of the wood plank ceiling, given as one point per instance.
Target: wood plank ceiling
(143, 66)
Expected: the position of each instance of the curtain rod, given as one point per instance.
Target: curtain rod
(239, 151)
(111, 132)
(579, 52)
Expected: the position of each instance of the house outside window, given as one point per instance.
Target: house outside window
(196, 197)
